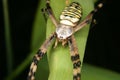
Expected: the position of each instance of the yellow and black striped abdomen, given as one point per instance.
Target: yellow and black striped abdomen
(71, 14)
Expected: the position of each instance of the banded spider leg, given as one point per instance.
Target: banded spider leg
(38, 56)
(75, 58)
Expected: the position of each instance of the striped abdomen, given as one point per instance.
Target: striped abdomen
(71, 14)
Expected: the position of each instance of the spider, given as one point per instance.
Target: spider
(65, 28)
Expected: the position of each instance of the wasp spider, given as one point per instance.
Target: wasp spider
(65, 28)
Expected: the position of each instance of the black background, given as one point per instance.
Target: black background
(103, 43)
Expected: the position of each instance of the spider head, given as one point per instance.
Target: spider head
(64, 31)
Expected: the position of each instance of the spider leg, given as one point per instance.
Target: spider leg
(38, 56)
(88, 19)
(75, 58)
(43, 13)
(50, 13)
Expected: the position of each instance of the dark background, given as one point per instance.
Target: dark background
(103, 41)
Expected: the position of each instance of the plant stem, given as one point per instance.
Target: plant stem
(9, 55)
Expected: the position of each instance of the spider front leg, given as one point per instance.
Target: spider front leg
(88, 19)
(50, 13)
(75, 58)
(38, 56)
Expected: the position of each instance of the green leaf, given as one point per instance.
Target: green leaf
(90, 72)
(39, 28)
(59, 58)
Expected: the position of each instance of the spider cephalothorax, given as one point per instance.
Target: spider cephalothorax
(69, 24)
